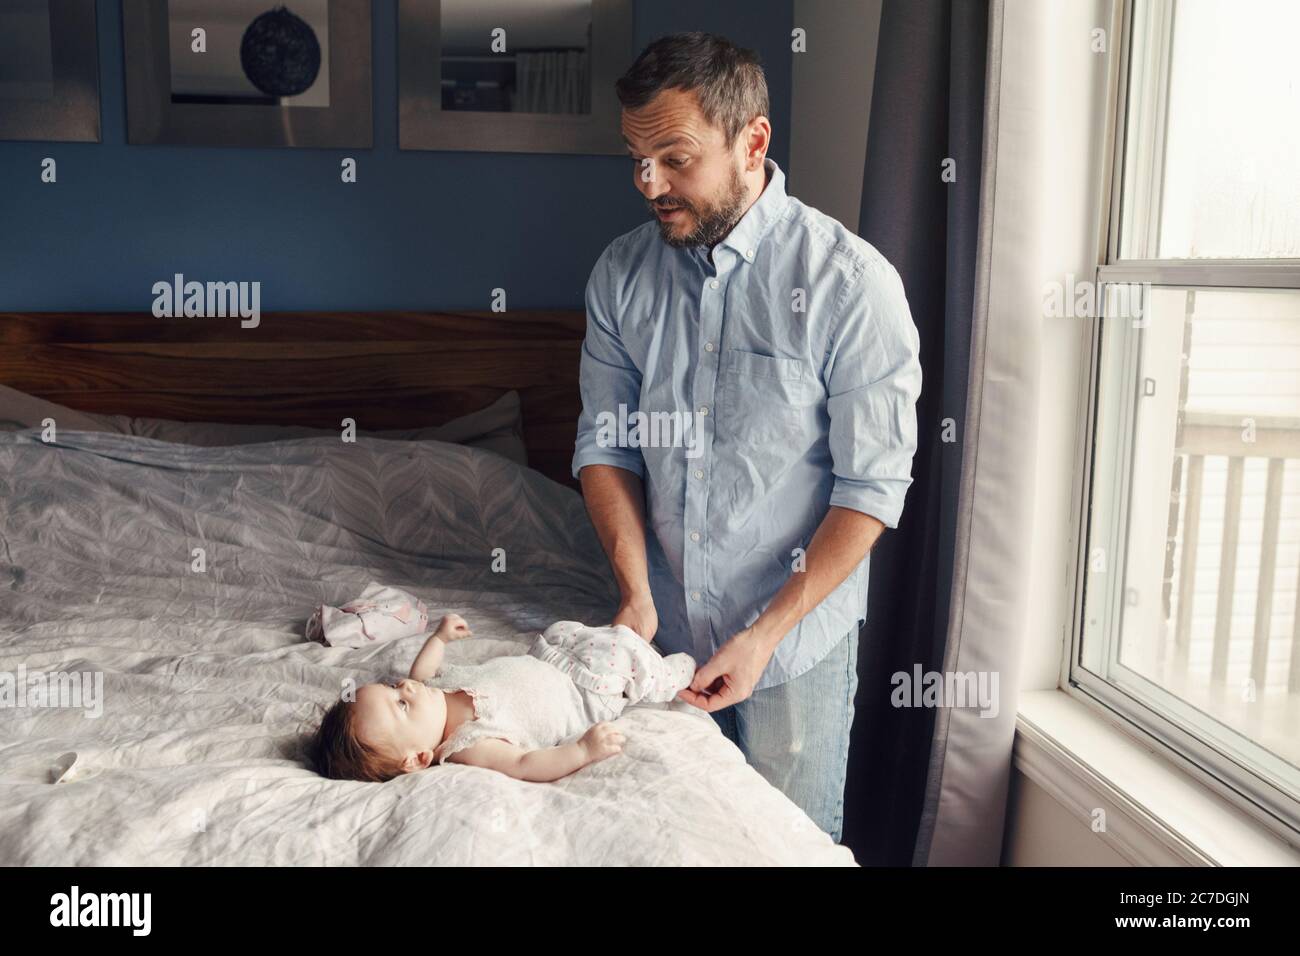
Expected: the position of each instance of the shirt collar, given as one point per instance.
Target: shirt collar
(753, 225)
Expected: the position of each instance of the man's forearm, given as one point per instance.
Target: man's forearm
(615, 500)
(842, 540)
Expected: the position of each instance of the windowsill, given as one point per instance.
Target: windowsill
(1155, 814)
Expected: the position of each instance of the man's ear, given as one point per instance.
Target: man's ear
(757, 137)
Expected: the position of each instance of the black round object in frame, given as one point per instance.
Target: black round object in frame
(280, 53)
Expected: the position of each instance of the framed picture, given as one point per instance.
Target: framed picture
(49, 70)
(500, 75)
(248, 72)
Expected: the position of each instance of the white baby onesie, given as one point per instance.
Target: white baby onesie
(572, 676)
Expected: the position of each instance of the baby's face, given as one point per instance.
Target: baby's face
(404, 717)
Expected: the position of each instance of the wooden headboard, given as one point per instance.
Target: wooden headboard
(385, 369)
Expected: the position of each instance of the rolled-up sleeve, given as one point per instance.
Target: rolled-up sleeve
(873, 379)
(607, 376)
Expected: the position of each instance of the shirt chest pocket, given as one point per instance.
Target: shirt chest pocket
(762, 397)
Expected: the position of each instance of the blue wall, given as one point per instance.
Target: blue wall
(419, 230)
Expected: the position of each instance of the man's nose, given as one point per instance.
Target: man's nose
(653, 189)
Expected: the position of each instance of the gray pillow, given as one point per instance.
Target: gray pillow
(497, 428)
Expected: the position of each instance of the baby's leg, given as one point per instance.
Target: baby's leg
(604, 706)
(647, 675)
(566, 635)
(614, 662)
(670, 675)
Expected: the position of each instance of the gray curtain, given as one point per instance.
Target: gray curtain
(552, 81)
(927, 106)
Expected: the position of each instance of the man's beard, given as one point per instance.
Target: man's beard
(712, 223)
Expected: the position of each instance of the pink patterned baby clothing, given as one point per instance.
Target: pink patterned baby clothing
(381, 613)
(614, 660)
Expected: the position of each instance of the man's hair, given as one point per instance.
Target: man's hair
(727, 79)
(336, 752)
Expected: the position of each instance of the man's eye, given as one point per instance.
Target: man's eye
(677, 163)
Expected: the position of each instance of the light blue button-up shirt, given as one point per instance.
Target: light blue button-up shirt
(775, 377)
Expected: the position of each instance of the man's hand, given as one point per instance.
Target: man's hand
(640, 615)
(729, 675)
(842, 540)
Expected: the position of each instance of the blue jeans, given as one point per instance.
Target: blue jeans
(796, 734)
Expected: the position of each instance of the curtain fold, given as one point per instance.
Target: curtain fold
(926, 128)
(975, 581)
(963, 812)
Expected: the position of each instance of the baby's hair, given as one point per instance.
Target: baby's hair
(337, 752)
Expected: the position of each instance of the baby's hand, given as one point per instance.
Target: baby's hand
(600, 741)
(452, 627)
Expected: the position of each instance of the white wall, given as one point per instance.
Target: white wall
(1044, 833)
(1071, 196)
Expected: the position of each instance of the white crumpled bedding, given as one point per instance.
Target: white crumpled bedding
(209, 685)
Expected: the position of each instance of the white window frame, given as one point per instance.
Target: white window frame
(1255, 795)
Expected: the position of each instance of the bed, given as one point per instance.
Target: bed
(180, 561)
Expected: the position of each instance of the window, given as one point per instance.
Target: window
(1189, 622)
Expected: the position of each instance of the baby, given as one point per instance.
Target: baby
(536, 716)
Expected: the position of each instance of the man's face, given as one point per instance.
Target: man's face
(683, 166)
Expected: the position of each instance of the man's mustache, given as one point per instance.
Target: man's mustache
(658, 207)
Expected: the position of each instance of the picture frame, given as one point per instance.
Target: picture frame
(234, 112)
(423, 123)
(49, 92)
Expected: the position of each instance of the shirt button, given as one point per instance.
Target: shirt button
(714, 284)
(695, 595)
(695, 536)
(704, 409)
(698, 473)
(749, 254)
(708, 346)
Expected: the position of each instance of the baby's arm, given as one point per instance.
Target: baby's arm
(542, 766)
(451, 628)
